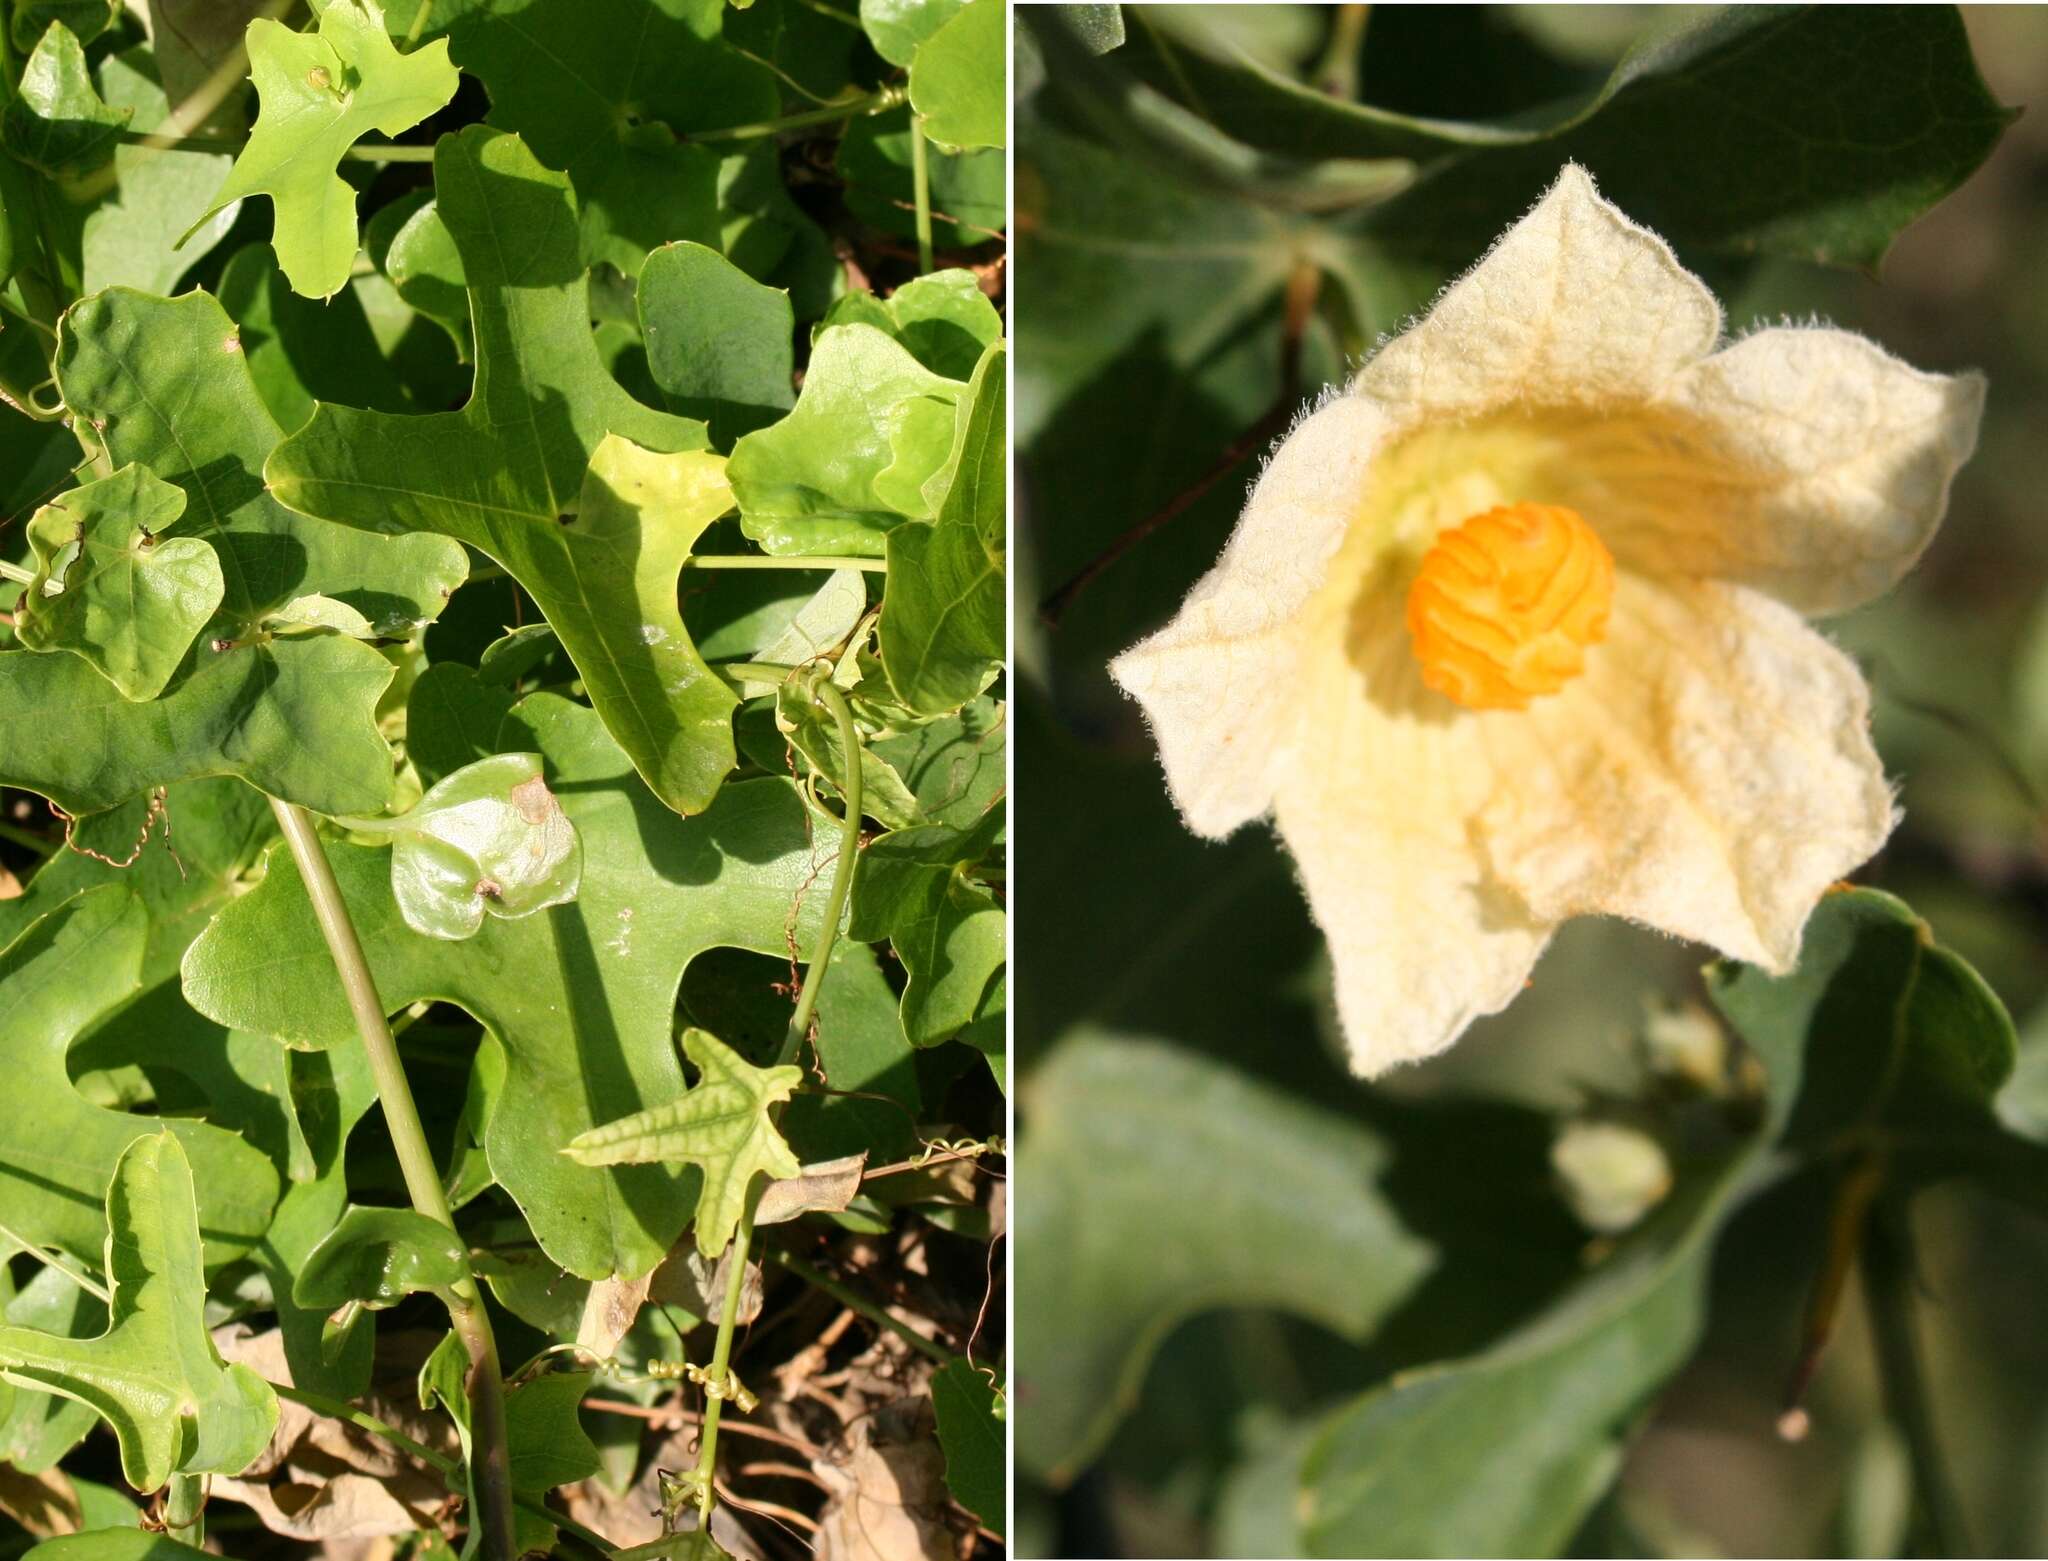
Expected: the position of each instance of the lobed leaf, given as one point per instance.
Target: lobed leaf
(948, 929)
(56, 122)
(154, 1375)
(320, 93)
(109, 590)
(724, 1126)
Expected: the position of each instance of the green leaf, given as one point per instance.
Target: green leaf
(582, 995)
(58, 1151)
(944, 320)
(87, 19)
(154, 1375)
(548, 1445)
(870, 429)
(897, 27)
(545, 421)
(107, 589)
(944, 618)
(953, 765)
(1141, 1154)
(977, 1466)
(914, 889)
(165, 384)
(425, 268)
(596, 87)
(814, 734)
(956, 77)
(38, 1429)
(452, 720)
(378, 1257)
(490, 837)
(719, 344)
(1873, 125)
(723, 1127)
(320, 93)
(56, 122)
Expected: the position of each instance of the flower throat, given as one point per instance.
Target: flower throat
(1507, 603)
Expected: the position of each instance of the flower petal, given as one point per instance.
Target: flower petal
(1575, 305)
(1217, 681)
(1710, 775)
(1831, 462)
(1376, 810)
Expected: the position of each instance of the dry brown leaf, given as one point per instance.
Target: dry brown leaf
(44, 1504)
(887, 1483)
(608, 1314)
(824, 1188)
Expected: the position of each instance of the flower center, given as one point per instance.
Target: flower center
(1507, 603)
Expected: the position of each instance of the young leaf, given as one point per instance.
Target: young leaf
(154, 1375)
(164, 383)
(490, 837)
(378, 1257)
(722, 1127)
(953, 765)
(582, 996)
(719, 344)
(107, 589)
(58, 1151)
(944, 319)
(545, 421)
(977, 1470)
(956, 77)
(57, 122)
(872, 426)
(320, 93)
(944, 618)
(815, 735)
(914, 890)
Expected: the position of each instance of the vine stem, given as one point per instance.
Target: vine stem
(492, 1476)
(859, 108)
(185, 1509)
(770, 561)
(921, 192)
(823, 691)
(1888, 1291)
(16, 573)
(854, 1301)
(449, 1468)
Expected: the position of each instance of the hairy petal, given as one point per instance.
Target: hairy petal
(1575, 306)
(1217, 683)
(1831, 462)
(1710, 775)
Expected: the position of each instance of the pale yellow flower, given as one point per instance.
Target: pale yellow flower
(1471, 726)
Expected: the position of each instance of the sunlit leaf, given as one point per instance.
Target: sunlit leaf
(154, 1375)
(111, 589)
(546, 423)
(943, 621)
(722, 1126)
(321, 92)
(944, 319)
(956, 77)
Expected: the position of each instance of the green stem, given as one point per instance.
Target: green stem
(419, 23)
(921, 193)
(492, 1468)
(16, 573)
(854, 1301)
(1888, 1291)
(60, 1261)
(824, 691)
(874, 103)
(766, 561)
(1337, 72)
(721, 1358)
(185, 1509)
(448, 1468)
